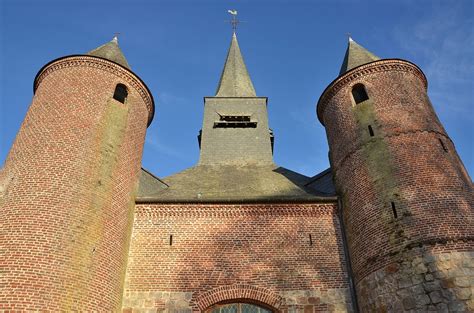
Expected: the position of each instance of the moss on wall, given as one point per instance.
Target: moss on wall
(89, 229)
(376, 153)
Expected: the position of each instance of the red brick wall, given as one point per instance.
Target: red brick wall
(404, 162)
(68, 189)
(213, 246)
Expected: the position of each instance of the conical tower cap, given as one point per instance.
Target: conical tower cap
(110, 51)
(356, 55)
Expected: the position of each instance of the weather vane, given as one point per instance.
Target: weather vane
(234, 22)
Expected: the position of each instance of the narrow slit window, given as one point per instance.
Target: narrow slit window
(272, 139)
(394, 210)
(443, 145)
(199, 137)
(171, 240)
(120, 93)
(310, 240)
(371, 131)
(359, 94)
(235, 121)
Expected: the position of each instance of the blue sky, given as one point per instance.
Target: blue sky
(293, 50)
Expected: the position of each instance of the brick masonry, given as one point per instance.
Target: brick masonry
(72, 237)
(258, 252)
(404, 190)
(67, 189)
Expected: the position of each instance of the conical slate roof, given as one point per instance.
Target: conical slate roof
(110, 51)
(356, 55)
(235, 80)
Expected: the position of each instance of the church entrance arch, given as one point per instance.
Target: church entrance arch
(238, 307)
(239, 299)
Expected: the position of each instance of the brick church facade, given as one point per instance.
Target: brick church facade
(387, 228)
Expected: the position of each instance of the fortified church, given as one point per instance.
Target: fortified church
(387, 228)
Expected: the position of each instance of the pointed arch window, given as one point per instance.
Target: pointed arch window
(238, 308)
(120, 93)
(359, 93)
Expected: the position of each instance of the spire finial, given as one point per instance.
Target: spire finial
(349, 37)
(115, 39)
(234, 22)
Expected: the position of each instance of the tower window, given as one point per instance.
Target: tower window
(235, 121)
(359, 94)
(371, 131)
(272, 138)
(199, 138)
(120, 93)
(394, 210)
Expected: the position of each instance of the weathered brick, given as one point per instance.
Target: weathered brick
(407, 198)
(67, 212)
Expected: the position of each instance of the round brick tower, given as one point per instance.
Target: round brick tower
(407, 200)
(68, 185)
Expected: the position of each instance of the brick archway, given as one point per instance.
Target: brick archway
(252, 294)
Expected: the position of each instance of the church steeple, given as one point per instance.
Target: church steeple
(110, 51)
(235, 80)
(356, 55)
(235, 127)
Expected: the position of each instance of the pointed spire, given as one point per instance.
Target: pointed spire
(110, 51)
(356, 55)
(235, 80)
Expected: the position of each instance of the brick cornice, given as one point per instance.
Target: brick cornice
(229, 210)
(100, 64)
(239, 292)
(386, 65)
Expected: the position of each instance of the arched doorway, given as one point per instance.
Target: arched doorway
(238, 308)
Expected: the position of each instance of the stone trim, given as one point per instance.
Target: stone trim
(236, 292)
(101, 64)
(386, 65)
(229, 210)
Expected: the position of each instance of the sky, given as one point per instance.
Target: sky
(293, 50)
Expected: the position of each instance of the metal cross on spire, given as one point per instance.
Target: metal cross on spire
(234, 22)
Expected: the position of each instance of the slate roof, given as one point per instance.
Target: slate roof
(323, 182)
(231, 182)
(356, 55)
(208, 183)
(110, 51)
(235, 80)
(149, 183)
